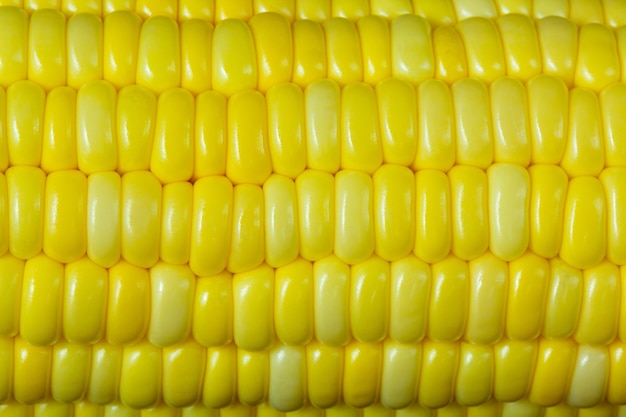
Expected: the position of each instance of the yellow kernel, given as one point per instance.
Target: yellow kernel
(615, 192)
(95, 127)
(589, 376)
(46, 38)
(558, 41)
(585, 228)
(247, 242)
(229, 9)
(220, 385)
(121, 40)
(599, 313)
(84, 49)
(11, 278)
(158, 54)
(509, 201)
(65, 225)
(565, 292)
(555, 359)
(350, 9)
(469, 211)
(449, 54)
(25, 112)
(394, 209)
(171, 304)
(449, 300)
(433, 233)
(211, 225)
(528, 290)
(286, 129)
(475, 375)
(324, 370)
(13, 45)
(248, 155)
(309, 51)
(322, 111)
(25, 196)
(176, 225)
(253, 304)
(140, 375)
(375, 39)
(509, 112)
(411, 49)
(315, 192)
(614, 127)
(196, 38)
(474, 142)
(252, 377)
(400, 374)
(104, 220)
(173, 147)
(210, 135)
(140, 218)
(514, 366)
(520, 45)
(213, 310)
(84, 302)
(6, 367)
(485, 56)
(597, 65)
(343, 50)
(128, 312)
(615, 389)
(369, 300)
(440, 12)
(183, 373)
(31, 372)
(397, 111)
(410, 283)
(233, 72)
(274, 49)
(354, 216)
(584, 152)
(282, 240)
(439, 367)
(548, 102)
(135, 122)
(4, 216)
(548, 189)
(106, 362)
(331, 298)
(287, 384)
(361, 147)
(293, 308)
(42, 301)
(69, 371)
(436, 142)
(362, 373)
(58, 150)
(488, 282)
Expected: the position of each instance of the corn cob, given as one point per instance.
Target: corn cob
(123, 334)
(438, 12)
(52, 51)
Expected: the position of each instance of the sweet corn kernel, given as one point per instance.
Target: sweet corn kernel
(475, 375)
(140, 375)
(274, 49)
(14, 49)
(196, 38)
(558, 38)
(400, 374)
(58, 149)
(331, 298)
(309, 51)
(293, 305)
(324, 374)
(252, 377)
(25, 195)
(120, 43)
(449, 298)
(411, 49)
(11, 281)
(173, 146)
(361, 374)
(46, 61)
(84, 302)
(410, 282)
(31, 372)
(369, 300)
(432, 216)
(183, 371)
(315, 192)
(247, 242)
(282, 239)
(70, 371)
(514, 367)
(555, 360)
(287, 384)
(177, 205)
(397, 111)
(104, 217)
(25, 103)
(376, 48)
(485, 57)
(233, 72)
(171, 307)
(220, 386)
(520, 45)
(253, 313)
(158, 54)
(343, 52)
(84, 36)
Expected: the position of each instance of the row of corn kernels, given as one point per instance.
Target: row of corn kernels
(521, 408)
(214, 225)
(325, 127)
(480, 302)
(161, 54)
(437, 12)
(431, 374)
